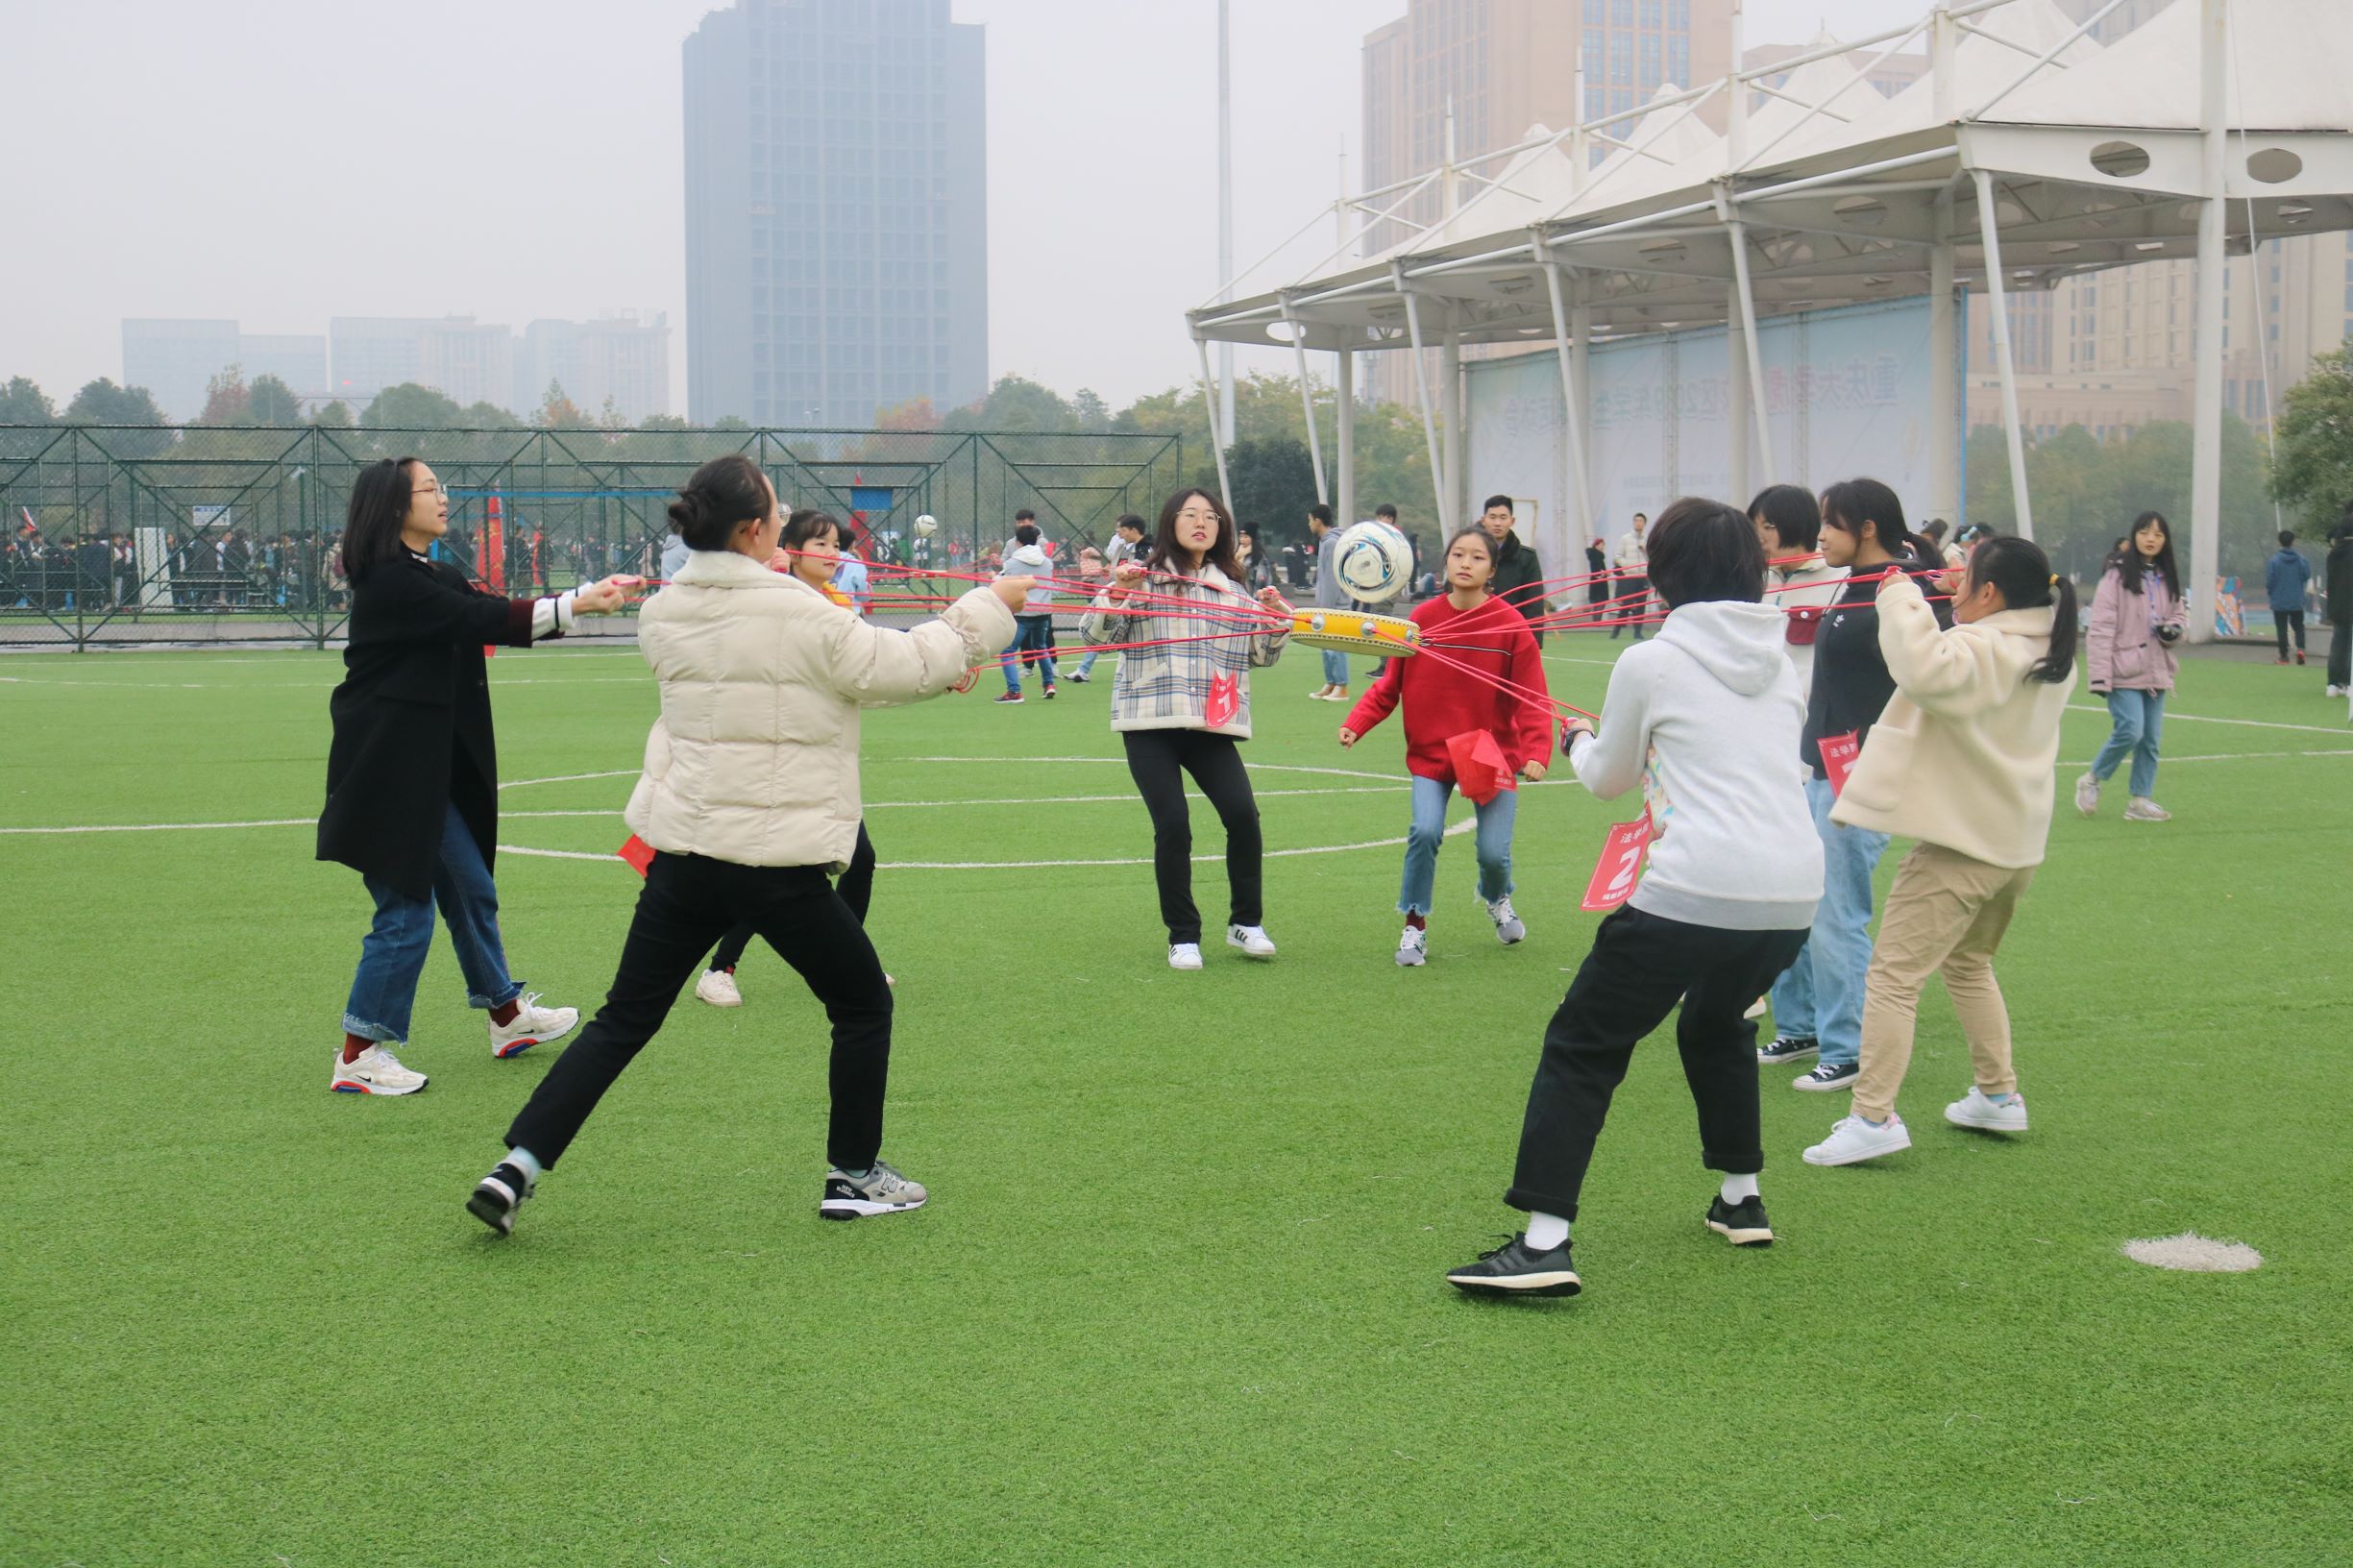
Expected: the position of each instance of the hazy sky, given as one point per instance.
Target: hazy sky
(281, 163)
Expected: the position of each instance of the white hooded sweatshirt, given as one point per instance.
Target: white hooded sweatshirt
(1705, 717)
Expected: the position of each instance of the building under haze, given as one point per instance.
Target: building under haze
(624, 357)
(177, 359)
(835, 210)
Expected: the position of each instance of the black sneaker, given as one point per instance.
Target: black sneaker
(1826, 1076)
(1787, 1048)
(1514, 1270)
(1743, 1224)
(497, 1195)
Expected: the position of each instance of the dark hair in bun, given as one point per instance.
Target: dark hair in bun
(724, 494)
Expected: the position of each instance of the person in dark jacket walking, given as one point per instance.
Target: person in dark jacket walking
(2337, 577)
(2286, 576)
(1597, 573)
(1518, 579)
(413, 773)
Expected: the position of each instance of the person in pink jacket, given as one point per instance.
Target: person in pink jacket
(2137, 619)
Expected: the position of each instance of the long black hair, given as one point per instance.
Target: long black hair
(2131, 564)
(721, 495)
(1793, 514)
(1167, 556)
(1850, 503)
(2020, 569)
(381, 497)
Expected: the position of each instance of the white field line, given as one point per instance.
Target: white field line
(2208, 719)
(1463, 826)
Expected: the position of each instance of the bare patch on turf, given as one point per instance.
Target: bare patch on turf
(2194, 1253)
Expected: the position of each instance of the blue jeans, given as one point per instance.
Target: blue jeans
(1494, 840)
(2140, 720)
(392, 955)
(1336, 667)
(1821, 993)
(1032, 637)
(1086, 663)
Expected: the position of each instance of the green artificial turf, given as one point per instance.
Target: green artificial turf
(1177, 1297)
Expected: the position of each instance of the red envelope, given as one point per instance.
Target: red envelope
(1620, 866)
(1482, 771)
(1838, 754)
(638, 853)
(1225, 701)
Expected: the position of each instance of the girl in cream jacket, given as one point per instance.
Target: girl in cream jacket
(750, 800)
(1961, 760)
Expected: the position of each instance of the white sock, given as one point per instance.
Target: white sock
(1544, 1231)
(525, 1162)
(1739, 1189)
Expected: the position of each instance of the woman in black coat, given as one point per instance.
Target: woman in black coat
(412, 774)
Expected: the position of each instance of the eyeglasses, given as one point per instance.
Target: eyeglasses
(436, 488)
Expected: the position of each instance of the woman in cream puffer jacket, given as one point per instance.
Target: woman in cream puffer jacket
(750, 800)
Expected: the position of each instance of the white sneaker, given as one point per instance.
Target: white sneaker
(374, 1071)
(1974, 1110)
(2142, 809)
(1184, 955)
(2087, 795)
(1509, 927)
(1853, 1141)
(1251, 940)
(717, 986)
(2336, 690)
(531, 1025)
(1412, 947)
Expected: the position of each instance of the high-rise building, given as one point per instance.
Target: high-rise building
(836, 231)
(175, 361)
(465, 360)
(624, 357)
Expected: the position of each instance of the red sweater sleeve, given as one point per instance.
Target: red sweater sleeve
(1379, 699)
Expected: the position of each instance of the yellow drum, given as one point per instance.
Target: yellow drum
(1351, 631)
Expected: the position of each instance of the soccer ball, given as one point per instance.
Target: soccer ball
(1375, 562)
(926, 526)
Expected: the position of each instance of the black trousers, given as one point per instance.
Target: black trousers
(2282, 621)
(2340, 654)
(1156, 759)
(687, 901)
(1626, 612)
(856, 888)
(1639, 966)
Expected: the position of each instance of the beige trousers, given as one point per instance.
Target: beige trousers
(1946, 913)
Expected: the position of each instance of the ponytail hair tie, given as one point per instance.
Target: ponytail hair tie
(2054, 579)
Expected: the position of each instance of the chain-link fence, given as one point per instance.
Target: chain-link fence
(127, 534)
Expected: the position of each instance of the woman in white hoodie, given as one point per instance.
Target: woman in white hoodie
(1961, 761)
(1704, 719)
(750, 800)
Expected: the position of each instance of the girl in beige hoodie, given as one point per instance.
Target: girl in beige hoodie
(1961, 761)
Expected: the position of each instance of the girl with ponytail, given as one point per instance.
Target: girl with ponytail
(1961, 760)
(1818, 1004)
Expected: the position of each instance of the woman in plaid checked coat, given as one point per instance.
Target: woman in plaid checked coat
(1181, 702)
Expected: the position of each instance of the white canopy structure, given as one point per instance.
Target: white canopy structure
(2025, 152)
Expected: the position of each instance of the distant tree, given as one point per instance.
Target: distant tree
(1014, 404)
(488, 416)
(23, 403)
(334, 416)
(558, 413)
(270, 401)
(1089, 410)
(1274, 485)
(226, 401)
(914, 414)
(662, 422)
(102, 403)
(610, 416)
(731, 422)
(2312, 460)
(409, 407)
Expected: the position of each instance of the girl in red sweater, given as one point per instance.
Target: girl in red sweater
(1447, 702)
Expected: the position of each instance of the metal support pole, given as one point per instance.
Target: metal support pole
(1225, 224)
(1449, 414)
(1572, 400)
(1580, 416)
(1209, 393)
(1998, 300)
(1421, 383)
(1307, 403)
(2206, 400)
(1344, 502)
(1745, 297)
(1944, 377)
(1737, 401)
